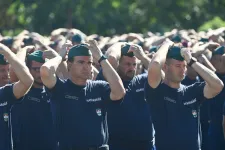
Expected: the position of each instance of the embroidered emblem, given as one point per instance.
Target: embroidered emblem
(6, 117)
(194, 113)
(99, 112)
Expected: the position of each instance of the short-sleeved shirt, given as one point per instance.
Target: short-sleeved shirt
(131, 120)
(175, 115)
(32, 122)
(80, 113)
(7, 99)
(204, 110)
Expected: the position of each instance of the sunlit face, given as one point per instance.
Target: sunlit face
(81, 67)
(218, 62)
(175, 70)
(35, 72)
(127, 67)
(4, 75)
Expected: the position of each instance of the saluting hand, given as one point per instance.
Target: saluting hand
(186, 54)
(49, 54)
(138, 51)
(64, 50)
(96, 51)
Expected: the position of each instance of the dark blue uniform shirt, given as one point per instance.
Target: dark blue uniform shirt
(80, 113)
(130, 119)
(175, 115)
(216, 138)
(7, 99)
(32, 122)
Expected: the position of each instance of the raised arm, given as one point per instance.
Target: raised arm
(21, 87)
(113, 54)
(213, 84)
(156, 65)
(48, 71)
(21, 55)
(139, 53)
(115, 83)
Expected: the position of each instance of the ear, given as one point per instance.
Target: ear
(164, 68)
(69, 64)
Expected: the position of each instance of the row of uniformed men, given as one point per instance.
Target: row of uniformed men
(76, 115)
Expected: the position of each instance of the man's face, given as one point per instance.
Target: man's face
(4, 75)
(35, 72)
(175, 70)
(218, 62)
(81, 67)
(127, 67)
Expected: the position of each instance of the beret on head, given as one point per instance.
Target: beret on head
(36, 56)
(174, 53)
(219, 51)
(176, 39)
(79, 50)
(7, 41)
(77, 38)
(28, 41)
(124, 50)
(153, 49)
(204, 40)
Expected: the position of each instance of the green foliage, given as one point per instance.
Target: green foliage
(108, 17)
(215, 23)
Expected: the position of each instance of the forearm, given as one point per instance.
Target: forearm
(19, 67)
(21, 54)
(209, 65)
(158, 41)
(209, 76)
(146, 61)
(114, 80)
(62, 70)
(160, 56)
(52, 65)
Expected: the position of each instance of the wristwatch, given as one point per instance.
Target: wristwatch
(102, 58)
(192, 61)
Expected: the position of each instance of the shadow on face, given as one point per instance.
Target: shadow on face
(175, 70)
(127, 67)
(81, 67)
(4, 75)
(35, 72)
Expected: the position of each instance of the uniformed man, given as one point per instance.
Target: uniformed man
(32, 119)
(216, 140)
(191, 78)
(175, 107)
(10, 93)
(79, 103)
(133, 129)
